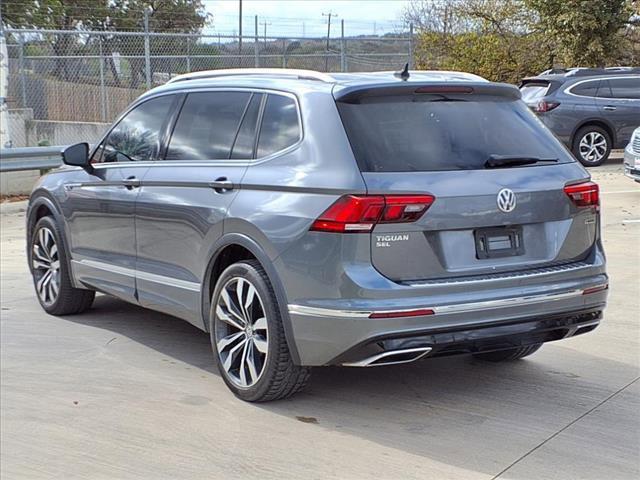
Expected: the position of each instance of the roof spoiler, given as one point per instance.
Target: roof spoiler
(350, 94)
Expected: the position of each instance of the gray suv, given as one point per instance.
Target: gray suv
(591, 110)
(303, 219)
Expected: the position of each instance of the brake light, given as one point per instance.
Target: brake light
(360, 213)
(444, 89)
(544, 106)
(586, 194)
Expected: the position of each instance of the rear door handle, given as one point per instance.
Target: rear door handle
(609, 108)
(221, 185)
(131, 182)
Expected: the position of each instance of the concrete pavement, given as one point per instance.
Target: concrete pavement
(121, 392)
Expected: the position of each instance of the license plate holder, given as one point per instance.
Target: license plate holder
(498, 242)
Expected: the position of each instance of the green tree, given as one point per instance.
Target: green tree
(493, 38)
(185, 16)
(584, 32)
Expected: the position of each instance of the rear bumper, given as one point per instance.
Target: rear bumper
(335, 333)
(479, 338)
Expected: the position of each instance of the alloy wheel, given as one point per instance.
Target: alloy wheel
(46, 266)
(593, 147)
(241, 332)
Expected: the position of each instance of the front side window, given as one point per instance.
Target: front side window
(280, 128)
(136, 138)
(207, 126)
(586, 89)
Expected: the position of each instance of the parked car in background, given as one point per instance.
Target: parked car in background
(632, 156)
(307, 219)
(590, 110)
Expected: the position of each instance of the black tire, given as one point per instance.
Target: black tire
(279, 377)
(509, 354)
(585, 132)
(68, 300)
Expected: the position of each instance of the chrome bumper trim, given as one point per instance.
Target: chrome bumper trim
(441, 309)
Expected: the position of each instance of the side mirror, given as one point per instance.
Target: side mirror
(78, 156)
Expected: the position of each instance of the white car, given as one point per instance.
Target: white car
(632, 156)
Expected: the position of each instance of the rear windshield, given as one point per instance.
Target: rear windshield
(431, 132)
(532, 92)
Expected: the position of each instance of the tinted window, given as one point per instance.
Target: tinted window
(532, 92)
(402, 134)
(137, 136)
(207, 126)
(280, 127)
(586, 89)
(246, 139)
(625, 87)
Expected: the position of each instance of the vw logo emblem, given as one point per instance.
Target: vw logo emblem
(506, 200)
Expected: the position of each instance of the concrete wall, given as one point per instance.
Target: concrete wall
(24, 131)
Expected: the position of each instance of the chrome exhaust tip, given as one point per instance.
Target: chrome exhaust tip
(391, 357)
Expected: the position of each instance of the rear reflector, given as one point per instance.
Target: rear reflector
(360, 213)
(407, 313)
(596, 289)
(586, 194)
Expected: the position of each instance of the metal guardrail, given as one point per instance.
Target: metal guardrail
(30, 158)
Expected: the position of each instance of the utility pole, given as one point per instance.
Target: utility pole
(326, 58)
(264, 24)
(240, 33)
(147, 48)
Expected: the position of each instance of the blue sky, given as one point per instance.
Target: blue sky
(295, 17)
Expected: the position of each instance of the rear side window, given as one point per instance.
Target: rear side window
(533, 91)
(280, 127)
(407, 133)
(136, 138)
(586, 89)
(246, 139)
(207, 126)
(622, 88)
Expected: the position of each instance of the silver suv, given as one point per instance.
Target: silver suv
(304, 219)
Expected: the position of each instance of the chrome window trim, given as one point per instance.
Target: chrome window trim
(138, 274)
(441, 309)
(212, 162)
(615, 77)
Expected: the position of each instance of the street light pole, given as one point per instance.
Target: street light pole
(326, 58)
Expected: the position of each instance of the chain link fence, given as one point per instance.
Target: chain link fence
(89, 77)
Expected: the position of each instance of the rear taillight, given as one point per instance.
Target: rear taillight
(586, 194)
(544, 106)
(360, 213)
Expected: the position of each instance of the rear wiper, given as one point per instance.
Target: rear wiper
(499, 161)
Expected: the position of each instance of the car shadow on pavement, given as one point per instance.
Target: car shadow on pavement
(457, 410)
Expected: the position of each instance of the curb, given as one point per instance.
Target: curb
(9, 208)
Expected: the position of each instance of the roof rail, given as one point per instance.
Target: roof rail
(267, 72)
(587, 72)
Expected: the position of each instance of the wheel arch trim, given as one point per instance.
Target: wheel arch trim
(598, 122)
(40, 198)
(258, 252)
